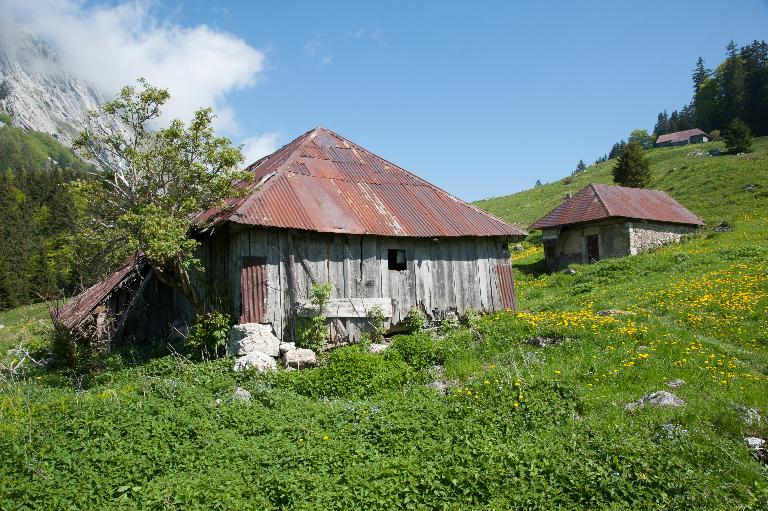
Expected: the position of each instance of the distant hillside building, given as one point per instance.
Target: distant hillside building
(603, 221)
(693, 136)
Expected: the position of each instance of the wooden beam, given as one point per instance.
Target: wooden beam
(348, 307)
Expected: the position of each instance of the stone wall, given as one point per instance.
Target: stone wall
(647, 235)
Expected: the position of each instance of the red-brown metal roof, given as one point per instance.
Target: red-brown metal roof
(679, 136)
(596, 202)
(323, 182)
(72, 313)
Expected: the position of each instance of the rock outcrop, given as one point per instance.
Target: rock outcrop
(253, 337)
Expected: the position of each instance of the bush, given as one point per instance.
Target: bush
(714, 135)
(313, 332)
(377, 321)
(208, 339)
(416, 321)
(738, 137)
(472, 318)
(350, 373)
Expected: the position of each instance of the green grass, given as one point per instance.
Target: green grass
(522, 428)
(713, 187)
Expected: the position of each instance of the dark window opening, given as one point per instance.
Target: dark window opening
(396, 259)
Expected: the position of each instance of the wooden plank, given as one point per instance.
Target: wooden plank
(483, 276)
(422, 274)
(348, 307)
(336, 274)
(371, 275)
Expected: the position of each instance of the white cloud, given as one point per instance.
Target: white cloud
(256, 147)
(315, 50)
(112, 45)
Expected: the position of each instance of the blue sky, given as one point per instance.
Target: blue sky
(481, 98)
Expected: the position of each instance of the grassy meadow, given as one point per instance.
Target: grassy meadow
(519, 426)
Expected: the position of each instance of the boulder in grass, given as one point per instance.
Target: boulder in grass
(378, 347)
(252, 337)
(242, 395)
(286, 347)
(256, 360)
(758, 447)
(300, 358)
(673, 384)
(658, 398)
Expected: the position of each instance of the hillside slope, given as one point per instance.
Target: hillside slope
(713, 187)
(534, 413)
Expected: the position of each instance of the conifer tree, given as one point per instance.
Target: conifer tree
(632, 168)
(738, 138)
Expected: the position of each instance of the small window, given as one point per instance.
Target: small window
(396, 259)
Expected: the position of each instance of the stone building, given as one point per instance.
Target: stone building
(692, 136)
(603, 221)
(324, 209)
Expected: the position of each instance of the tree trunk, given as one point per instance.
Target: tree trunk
(177, 277)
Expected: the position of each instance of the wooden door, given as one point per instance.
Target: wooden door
(593, 249)
(253, 290)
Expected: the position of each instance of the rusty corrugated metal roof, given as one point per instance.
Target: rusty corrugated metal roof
(72, 313)
(679, 136)
(596, 202)
(323, 182)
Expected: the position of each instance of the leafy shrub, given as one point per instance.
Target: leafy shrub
(449, 324)
(472, 318)
(416, 321)
(208, 339)
(376, 320)
(714, 135)
(313, 332)
(350, 372)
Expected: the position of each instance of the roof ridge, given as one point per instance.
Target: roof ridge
(600, 199)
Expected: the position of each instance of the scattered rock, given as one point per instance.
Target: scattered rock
(377, 347)
(255, 360)
(714, 152)
(300, 358)
(252, 337)
(519, 247)
(242, 395)
(757, 446)
(676, 383)
(752, 188)
(723, 227)
(569, 271)
(751, 416)
(286, 347)
(658, 398)
(543, 342)
(2, 326)
(613, 312)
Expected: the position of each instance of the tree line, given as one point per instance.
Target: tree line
(736, 89)
(38, 218)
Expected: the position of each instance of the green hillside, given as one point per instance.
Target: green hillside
(713, 187)
(519, 427)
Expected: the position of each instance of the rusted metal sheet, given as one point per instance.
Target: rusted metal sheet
(597, 202)
(506, 284)
(679, 136)
(323, 182)
(254, 289)
(77, 309)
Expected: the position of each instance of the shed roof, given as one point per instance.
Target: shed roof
(597, 202)
(679, 136)
(72, 313)
(323, 182)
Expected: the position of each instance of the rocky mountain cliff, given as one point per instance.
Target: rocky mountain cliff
(38, 92)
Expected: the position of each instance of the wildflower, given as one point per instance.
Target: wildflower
(557, 371)
(325, 438)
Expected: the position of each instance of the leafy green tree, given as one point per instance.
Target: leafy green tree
(632, 168)
(154, 183)
(738, 138)
(642, 137)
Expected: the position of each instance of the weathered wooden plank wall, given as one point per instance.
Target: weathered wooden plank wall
(448, 274)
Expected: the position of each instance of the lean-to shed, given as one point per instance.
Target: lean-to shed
(323, 209)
